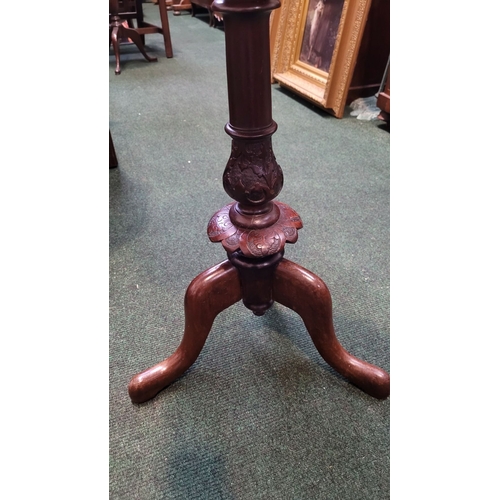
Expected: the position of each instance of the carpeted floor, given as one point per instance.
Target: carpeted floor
(259, 415)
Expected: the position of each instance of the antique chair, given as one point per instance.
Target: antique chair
(121, 27)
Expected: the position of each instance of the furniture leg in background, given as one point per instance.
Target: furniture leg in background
(127, 10)
(205, 4)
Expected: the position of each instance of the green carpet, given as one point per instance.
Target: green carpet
(259, 415)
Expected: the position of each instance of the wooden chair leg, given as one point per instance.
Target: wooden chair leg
(115, 40)
(165, 27)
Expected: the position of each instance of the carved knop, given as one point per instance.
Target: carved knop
(252, 175)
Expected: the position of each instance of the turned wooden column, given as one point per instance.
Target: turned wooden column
(253, 229)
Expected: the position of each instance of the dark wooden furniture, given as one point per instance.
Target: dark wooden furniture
(205, 4)
(373, 52)
(130, 10)
(384, 97)
(179, 5)
(253, 229)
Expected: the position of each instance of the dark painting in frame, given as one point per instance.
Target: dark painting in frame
(320, 32)
(320, 71)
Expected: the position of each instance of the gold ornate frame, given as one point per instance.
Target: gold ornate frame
(329, 89)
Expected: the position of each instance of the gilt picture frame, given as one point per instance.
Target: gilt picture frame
(314, 45)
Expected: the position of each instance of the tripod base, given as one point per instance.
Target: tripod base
(293, 286)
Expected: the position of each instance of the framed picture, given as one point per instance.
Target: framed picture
(314, 46)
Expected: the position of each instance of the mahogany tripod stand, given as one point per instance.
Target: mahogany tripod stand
(254, 229)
